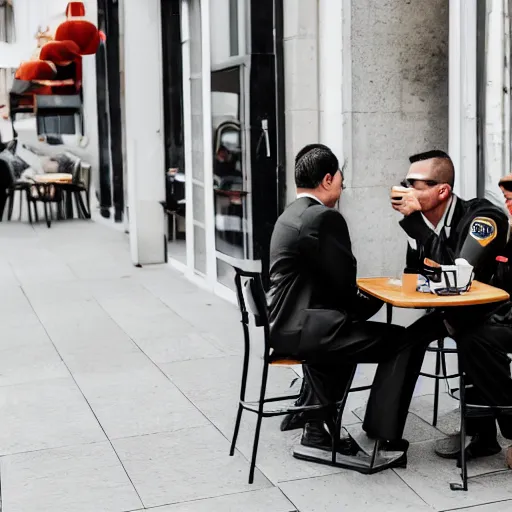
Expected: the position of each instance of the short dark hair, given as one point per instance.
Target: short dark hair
(312, 163)
(443, 169)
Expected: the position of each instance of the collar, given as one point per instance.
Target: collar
(446, 220)
(311, 196)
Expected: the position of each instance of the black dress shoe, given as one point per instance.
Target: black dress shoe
(449, 448)
(293, 421)
(398, 445)
(315, 436)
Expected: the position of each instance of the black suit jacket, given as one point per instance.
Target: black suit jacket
(313, 296)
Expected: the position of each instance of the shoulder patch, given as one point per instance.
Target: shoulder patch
(483, 230)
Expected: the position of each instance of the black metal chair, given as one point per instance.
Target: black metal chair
(466, 409)
(253, 302)
(440, 374)
(471, 410)
(78, 189)
(47, 194)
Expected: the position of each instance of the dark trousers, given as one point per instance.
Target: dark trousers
(482, 357)
(329, 371)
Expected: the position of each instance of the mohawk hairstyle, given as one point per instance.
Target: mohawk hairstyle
(443, 169)
(428, 155)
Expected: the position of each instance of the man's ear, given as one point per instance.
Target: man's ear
(445, 191)
(327, 181)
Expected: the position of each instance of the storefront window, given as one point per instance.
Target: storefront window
(226, 30)
(228, 178)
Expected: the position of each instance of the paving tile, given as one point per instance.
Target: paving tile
(252, 501)
(45, 414)
(500, 506)
(46, 266)
(141, 314)
(180, 347)
(30, 362)
(209, 313)
(348, 490)
(416, 429)
(430, 477)
(21, 330)
(211, 379)
(85, 335)
(204, 469)
(275, 449)
(423, 406)
(74, 479)
(138, 401)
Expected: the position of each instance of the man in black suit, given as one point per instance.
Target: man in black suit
(317, 314)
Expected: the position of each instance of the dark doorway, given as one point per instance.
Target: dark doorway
(175, 205)
(109, 111)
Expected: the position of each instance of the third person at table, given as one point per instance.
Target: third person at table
(442, 227)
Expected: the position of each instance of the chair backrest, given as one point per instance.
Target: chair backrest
(252, 301)
(83, 177)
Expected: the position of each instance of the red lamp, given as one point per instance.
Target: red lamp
(36, 70)
(60, 52)
(75, 9)
(82, 32)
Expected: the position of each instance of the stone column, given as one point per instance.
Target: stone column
(144, 130)
(395, 105)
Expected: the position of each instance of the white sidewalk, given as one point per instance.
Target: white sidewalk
(118, 389)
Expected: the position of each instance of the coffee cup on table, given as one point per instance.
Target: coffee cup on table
(409, 280)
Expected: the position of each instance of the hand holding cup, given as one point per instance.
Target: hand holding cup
(404, 200)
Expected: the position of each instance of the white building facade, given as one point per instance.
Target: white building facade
(376, 81)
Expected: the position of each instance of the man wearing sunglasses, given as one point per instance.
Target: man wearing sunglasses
(442, 227)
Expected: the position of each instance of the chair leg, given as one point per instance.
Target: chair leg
(255, 448)
(335, 435)
(243, 387)
(21, 204)
(84, 213)
(29, 202)
(463, 459)
(237, 428)
(88, 203)
(48, 213)
(10, 206)
(436, 389)
(263, 390)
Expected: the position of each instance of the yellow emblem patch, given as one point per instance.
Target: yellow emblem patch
(483, 230)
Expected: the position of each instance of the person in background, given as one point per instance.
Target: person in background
(504, 279)
(5, 177)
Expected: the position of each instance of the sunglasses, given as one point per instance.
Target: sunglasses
(507, 185)
(409, 182)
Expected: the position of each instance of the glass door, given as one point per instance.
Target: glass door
(231, 186)
(244, 129)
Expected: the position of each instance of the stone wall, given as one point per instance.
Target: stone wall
(399, 52)
(394, 86)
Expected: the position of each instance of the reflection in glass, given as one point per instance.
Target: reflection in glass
(229, 182)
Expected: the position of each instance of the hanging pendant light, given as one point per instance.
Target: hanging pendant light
(75, 9)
